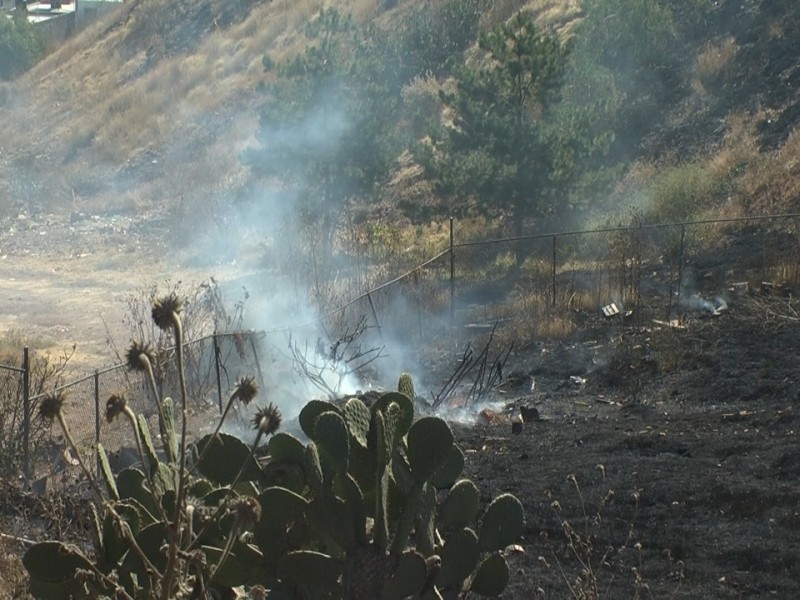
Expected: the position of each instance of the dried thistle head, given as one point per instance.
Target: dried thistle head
(245, 390)
(247, 509)
(165, 309)
(115, 406)
(50, 405)
(267, 419)
(138, 356)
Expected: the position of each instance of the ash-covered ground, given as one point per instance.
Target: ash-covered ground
(665, 462)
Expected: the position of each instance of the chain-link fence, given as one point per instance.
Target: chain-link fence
(212, 366)
(640, 272)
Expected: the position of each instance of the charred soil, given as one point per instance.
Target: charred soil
(678, 478)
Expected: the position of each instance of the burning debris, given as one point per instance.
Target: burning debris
(697, 303)
(487, 375)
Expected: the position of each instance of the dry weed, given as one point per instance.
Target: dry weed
(711, 65)
(771, 183)
(13, 578)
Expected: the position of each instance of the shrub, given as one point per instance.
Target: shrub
(45, 371)
(20, 47)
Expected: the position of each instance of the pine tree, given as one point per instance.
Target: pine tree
(503, 150)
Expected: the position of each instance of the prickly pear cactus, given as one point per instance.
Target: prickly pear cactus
(372, 506)
(406, 386)
(384, 506)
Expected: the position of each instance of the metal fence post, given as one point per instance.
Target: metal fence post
(216, 368)
(26, 416)
(555, 249)
(258, 362)
(452, 276)
(681, 257)
(97, 416)
(375, 316)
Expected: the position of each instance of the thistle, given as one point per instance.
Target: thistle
(51, 405)
(267, 420)
(140, 357)
(166, 315)
(115, 406)
(166, 310)
(245, 390)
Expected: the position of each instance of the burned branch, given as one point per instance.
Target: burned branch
(488, 373)
(328, 366)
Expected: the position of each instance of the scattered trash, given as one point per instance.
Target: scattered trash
(672, 324)
(529, 414)
(487, 416)
(610, 310)
(577, 380)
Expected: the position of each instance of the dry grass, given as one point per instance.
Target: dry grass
(711, 66)
(771, 182)
(558, 15)
(13, 578)
(531, 317)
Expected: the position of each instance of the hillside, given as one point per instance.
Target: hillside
(152, 106)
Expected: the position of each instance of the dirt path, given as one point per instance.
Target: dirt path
(64, 282)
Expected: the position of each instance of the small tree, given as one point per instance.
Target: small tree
(502, 150)
(20, 46)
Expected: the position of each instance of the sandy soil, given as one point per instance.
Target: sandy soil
(64, 280)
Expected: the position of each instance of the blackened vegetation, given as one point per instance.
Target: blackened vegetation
(688, 489)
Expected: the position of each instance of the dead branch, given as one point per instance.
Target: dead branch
(328, 366)
(488, 374)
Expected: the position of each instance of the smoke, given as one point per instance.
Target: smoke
(274, 245)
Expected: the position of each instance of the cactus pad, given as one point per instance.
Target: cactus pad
(357, 416)
(502, 524)
(406, 386)
(285, 447)
(308, 416)
(333, 441)
(491, 577)
(460, 556)
(429, 443)
(225, 450)
(461, 506)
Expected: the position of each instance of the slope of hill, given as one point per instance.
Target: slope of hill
(153, 104)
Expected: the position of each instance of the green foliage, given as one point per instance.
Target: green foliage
(138, 524)
(327, 129)
(503, 149)
(389, 484)
(167, 530)
(431, 39)
(20, 46)
(678, 194)
(627, 61)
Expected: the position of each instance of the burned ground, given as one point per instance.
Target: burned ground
(678, 480)
(664, 462)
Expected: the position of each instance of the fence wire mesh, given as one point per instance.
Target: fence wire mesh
(533, 286)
